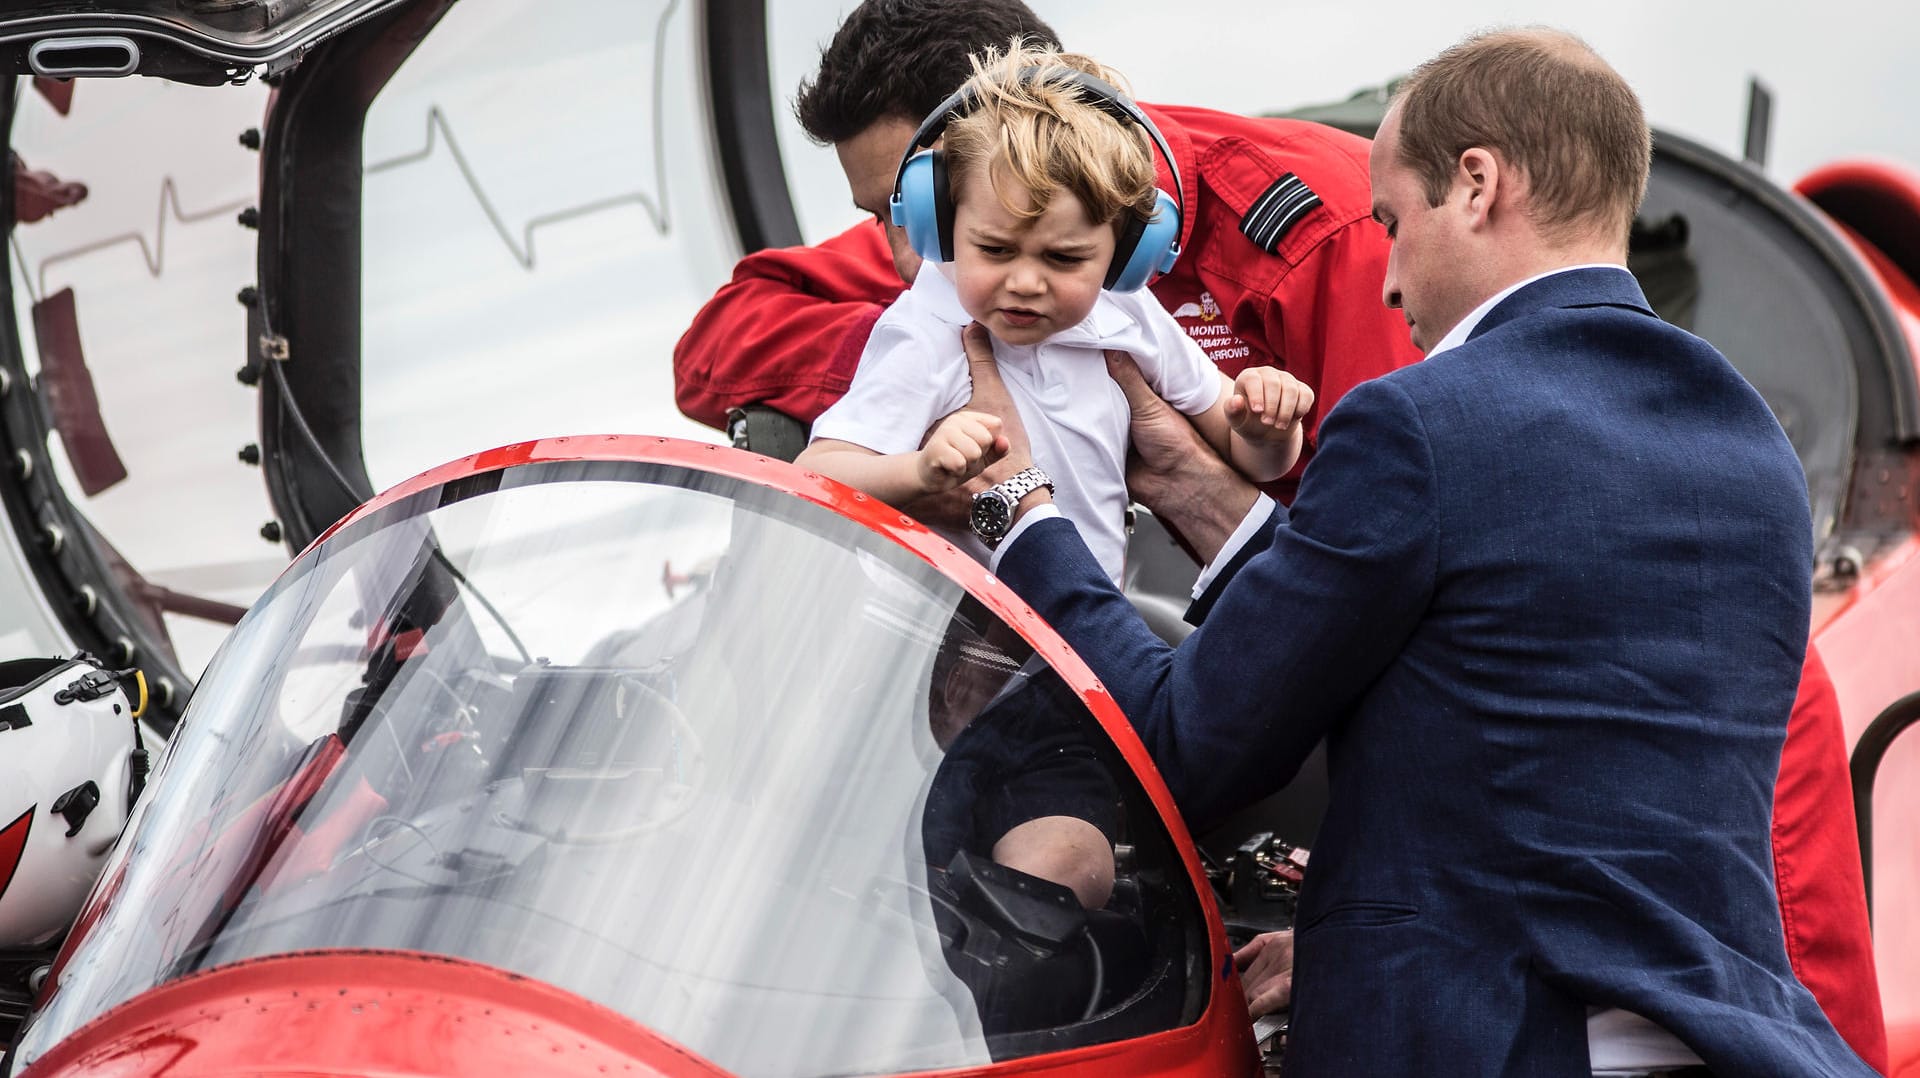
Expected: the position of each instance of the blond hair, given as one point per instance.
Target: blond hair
(1547, 103)
(1029, 126)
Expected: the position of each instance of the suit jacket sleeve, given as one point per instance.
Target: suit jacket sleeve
(1259, 540)
(1331, 601)
(787, 330)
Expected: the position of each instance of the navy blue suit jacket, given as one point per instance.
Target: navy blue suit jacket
(1546, 595)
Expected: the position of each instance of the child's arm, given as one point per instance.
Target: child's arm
(1258, 422)
(960, 447)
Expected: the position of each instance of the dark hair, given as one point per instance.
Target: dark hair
(1544, 100)
(902, 58)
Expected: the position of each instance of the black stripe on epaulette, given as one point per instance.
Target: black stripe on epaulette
(1277, 210)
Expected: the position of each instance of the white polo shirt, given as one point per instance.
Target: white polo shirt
(914, 371)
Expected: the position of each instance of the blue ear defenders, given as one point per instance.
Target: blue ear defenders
(922, 200)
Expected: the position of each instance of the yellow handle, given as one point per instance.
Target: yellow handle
(140, 681)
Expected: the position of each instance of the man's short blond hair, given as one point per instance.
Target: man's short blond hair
(1549, 106)
(1029, 128)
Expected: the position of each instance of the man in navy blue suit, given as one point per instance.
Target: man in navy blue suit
(1545, 595)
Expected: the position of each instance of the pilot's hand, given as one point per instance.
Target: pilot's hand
(1174, 472)
(1266, 404)
(1266, 972)
(960, 447)
(950, 508)
(990, 396)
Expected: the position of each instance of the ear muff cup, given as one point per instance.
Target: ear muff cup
(1146, 247)
(923, 206)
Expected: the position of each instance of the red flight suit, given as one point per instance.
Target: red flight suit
(1816, 868)
(788, 331)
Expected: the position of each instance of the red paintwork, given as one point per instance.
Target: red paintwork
(1906, 1051)
(363, 1013)
(393, 1013)
(320, 1014)
(1872, 647)
(13, 843)
(1870, 636)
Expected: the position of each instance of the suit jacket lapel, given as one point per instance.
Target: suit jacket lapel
(1574, 288)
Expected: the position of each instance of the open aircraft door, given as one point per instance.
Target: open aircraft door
(423, 210)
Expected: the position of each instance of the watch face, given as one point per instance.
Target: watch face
(991, 514)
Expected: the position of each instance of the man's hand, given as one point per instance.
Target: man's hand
(951, 508)
(1267, 403)
(1174, 472)
(991, 397)
(960, 447)
(1266, 972)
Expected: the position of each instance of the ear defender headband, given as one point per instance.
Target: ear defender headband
(922, 200)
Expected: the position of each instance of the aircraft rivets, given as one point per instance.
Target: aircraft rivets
(89, 600)
(248, 375)
(6, 382)
(250, 453)
(124, 651)
(56, 537)
(249, 217)
(248, 296)
(270, 531)
(250, 138)
(163, 691)
(23, 463)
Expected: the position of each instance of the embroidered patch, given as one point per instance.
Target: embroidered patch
(1277, 210)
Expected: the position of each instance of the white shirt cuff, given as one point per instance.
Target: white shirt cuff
(1044, 511)
(1262, 509)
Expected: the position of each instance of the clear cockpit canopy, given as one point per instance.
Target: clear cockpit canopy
(709, 754)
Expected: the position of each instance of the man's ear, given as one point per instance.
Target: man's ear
(1478, 177)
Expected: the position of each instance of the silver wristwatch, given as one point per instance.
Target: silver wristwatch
(993, 508)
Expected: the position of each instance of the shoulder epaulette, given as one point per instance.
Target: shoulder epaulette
(1277, 210)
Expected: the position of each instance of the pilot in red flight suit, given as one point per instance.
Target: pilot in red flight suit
(1281, 265)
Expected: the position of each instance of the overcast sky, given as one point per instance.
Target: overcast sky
(1842, 72)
